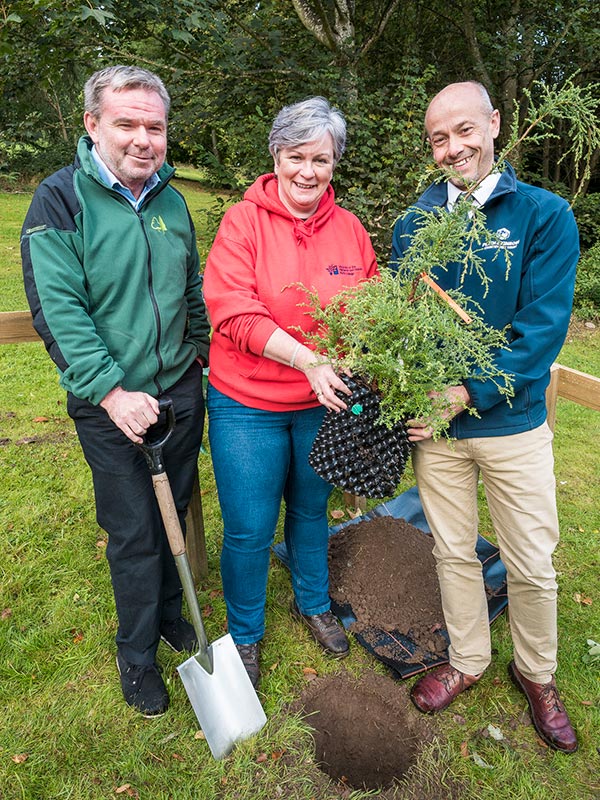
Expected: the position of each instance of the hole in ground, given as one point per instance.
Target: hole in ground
(367, 734)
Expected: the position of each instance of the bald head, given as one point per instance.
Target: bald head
(461, 126)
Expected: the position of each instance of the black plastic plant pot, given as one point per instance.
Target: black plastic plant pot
(354, 451)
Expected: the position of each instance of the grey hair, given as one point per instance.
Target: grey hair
(486, 103)
(119, 78)
(307, 121)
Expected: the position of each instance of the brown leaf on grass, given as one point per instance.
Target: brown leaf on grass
(40, 419)
(587, 703)
(215, 593)
(260, 759)
(207, 610)
(274, 666)
(6, 613)
(177, 757)
(77, 636)
(19, 758)
(464, 749)
(199, 735)
(309, 673)
(353, 513)
(276, 754)
(336, 513)
(581, 599)
(101, 543)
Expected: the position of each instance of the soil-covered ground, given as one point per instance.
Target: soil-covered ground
(368, 735)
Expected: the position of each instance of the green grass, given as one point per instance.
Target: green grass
(62, 709)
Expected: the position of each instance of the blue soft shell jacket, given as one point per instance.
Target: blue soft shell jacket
(534, 299)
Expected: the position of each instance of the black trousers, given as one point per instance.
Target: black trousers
(144, 577)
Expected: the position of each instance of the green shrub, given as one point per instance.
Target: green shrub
(586, 303)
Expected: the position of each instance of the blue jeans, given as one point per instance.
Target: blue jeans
(260, 457)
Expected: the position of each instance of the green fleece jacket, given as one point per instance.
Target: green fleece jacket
(115, 293)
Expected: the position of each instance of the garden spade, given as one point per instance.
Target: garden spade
(215, 678)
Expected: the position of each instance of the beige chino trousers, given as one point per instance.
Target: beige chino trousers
(518, 476)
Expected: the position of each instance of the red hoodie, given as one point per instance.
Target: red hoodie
(259, 252)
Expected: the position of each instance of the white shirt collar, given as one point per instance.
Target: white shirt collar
(480, 196)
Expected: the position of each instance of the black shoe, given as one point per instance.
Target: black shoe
(249, 653)
(326, 631)
(143, 688)
(179, 635)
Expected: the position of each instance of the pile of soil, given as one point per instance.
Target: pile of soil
(384, 570)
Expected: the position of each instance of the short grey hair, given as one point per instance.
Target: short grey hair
(119, 78)
(486, 103)
(307, 121)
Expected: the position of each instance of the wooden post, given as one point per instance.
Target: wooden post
(355, 501)
(552, 395)
(195, 538)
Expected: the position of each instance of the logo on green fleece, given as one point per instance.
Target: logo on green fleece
(158, 224)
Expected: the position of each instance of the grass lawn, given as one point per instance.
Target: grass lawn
(65, 731)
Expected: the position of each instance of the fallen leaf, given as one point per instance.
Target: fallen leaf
(123, 788)
(480, 762)
(497, 681)
(207, 610)
(199, 735)
(101, 543)
(353, 513)
(20, 758)
(262, 758)
(459, 719)
(215, 593)
(274, 666)
(177, 757)
(579, 598)
(464, 749)
(40, 419)
(78, 637)
(6, 613)
(587, 703)
(276, 754)
(336, 513)
(495, 732)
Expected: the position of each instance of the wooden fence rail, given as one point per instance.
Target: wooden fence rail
(15, 326)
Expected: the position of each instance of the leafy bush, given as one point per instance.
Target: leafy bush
(586, 303)
(587, 214)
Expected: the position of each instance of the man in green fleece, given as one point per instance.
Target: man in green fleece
(111, 273)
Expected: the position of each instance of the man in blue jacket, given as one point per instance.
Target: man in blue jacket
(508, 445)
(111, 273)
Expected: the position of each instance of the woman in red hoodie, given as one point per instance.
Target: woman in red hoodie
(268, 390)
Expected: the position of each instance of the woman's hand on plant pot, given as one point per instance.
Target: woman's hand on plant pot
(324, 382)
(447, 405)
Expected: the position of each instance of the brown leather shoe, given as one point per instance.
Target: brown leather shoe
(547, 712)
(437, 690)
(249, 653)
(326, 631)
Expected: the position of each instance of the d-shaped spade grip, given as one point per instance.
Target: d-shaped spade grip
(152, 447)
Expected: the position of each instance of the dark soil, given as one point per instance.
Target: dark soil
(369, 736)
(384, 569)
(367, 733)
